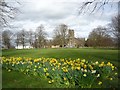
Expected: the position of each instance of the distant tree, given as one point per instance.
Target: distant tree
(60, 35)
(57, 38)
(40, 36)
(0, 39)
(49, 43)
(17, 40)
(80, 42)
(6, 38)
(99, 38)
(35, 44)
(22, 37)
(114, 28)
(30, 36)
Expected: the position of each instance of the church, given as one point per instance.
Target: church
(72, 42)
(75, 42)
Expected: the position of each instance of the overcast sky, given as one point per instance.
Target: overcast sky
(51, 13)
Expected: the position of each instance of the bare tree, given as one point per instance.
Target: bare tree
(22, 37)
(56, 40)
(40, 36)
(6, 38)
(115, 26)
(60, 34)
(7, 12)
(30, 35)
(35, 41)
(17, 40)
(99, 37)
(0, 39)
(49, 43)
(80, 42)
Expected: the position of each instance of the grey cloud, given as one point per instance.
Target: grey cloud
(42, 15)
(60, 12)
(55, 12)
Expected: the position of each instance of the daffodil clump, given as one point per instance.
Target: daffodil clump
(65, 72)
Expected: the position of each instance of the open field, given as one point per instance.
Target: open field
(83, 53)
(21, 80)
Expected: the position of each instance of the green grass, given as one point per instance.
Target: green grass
(16, 79)
(83, 53)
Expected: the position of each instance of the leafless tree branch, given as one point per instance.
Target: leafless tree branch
(7, 12)
(95, 6)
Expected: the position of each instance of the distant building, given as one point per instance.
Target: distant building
(74, 42)
(71, 38)
(55, 46)
(20, 46)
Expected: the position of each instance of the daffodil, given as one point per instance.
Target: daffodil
(9, 70)
(101, 65)
(47, 74)
(65, 79)
(85, 70)
(116, 73)
(49, 82)
(52, 80)
(113, 67)
(99, 83)
(83, 60)
(96, 62)
(85, 66)
(78, 68)
(91, 67)
(39, 67)
(72, 68)
(44, 70)
(36, 60)
(53, 69)
(102, 62)
(82, 69)
(108, 63)
(84, 75)
(35, 66)
(93, 71)
(65, 69)
(98, 75)
(111, 78)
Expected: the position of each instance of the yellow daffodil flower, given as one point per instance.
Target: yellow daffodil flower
(99, 83)
(84, 75)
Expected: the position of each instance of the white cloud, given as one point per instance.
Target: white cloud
(50, 13)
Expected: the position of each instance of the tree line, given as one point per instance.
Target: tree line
(37, 38)
(98, 37)
(103, 37)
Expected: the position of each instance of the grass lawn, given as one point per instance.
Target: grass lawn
(83, 53)
(17, 79)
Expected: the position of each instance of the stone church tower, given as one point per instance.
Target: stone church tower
(71, 38)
